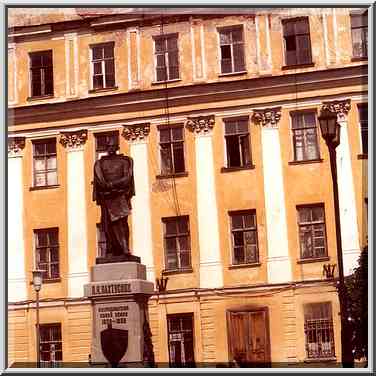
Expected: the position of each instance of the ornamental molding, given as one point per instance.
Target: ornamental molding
(201, 124)
(340, 107)
(73, 139)
(16, 146)
(136, 132)
(267, 117)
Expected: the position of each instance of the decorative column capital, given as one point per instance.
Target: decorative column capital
(15, 146)
(73, 140)
(200, 124)
(136, 132)
(341, 108)
(267, 117)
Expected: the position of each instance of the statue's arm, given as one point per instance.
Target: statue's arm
(127, 177)
(99, 180)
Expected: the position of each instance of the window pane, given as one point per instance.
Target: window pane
(165, 135)
(237, 35)
(233, 152)
(110, 80)
(55, 270)
(54, 252)
(172, 44)
(184, 243)
(310, 119)
(161, 74)
(304, 215)
(51, 163)
(238, 238)
(239, 255)
(177, 134)
(249, 221)
(39, 164)
(42, 253)
(242, 126)
(224, 37)
(226, 52)
(303, 49)
(51, 178)
(237, 221)
(161, 61)
(166, 159)
(97, 53)
(290, 43)
(171, 227)
(40, 180)
(288, 28)
(48, 81)
(97, 67)
(178, 158)
(244, 142)
(35, 60)
(185, 261)
(230, 127)
(51, 147)
(110, 67)
(302, 26)
(109, 51)
(238, 57)
(173, 59)
(98, 82)
(36, 88)
(39, 148)
(160, 44)
(172, 262)
(183, 226)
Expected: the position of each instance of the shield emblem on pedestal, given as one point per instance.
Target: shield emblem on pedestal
(114, 344)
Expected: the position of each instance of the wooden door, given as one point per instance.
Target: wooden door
(248, 335)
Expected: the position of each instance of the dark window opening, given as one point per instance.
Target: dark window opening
(237, 143)
(244, 237)
(51, 345)
(297, 41)
(177, 243)
(41, 73)
(103, 66)
(318, 329)
(172, 150)
(47, 252)
(312, 232)
(180, 340)
(232, 49)
(359, 34)
(166, 57)
(101, 141)
(44, 163)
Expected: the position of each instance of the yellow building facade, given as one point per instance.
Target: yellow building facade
(219, 113)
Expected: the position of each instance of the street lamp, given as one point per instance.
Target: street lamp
(330, 131)
(37, 283)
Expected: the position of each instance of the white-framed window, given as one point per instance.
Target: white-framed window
(166, 57)
(102, 65)
(359, 34)
(51, 345)
(231, 41)
(41, 73)
(171, 146)
(44, 162)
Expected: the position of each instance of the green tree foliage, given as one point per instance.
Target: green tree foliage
(357, 287)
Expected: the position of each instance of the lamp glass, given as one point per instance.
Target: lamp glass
(37, 279)
(328, 125)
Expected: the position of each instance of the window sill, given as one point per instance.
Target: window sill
(320, 160)
(166, 81)
(103, 89)
(232, 169)
(362, 156)
(232, 74)
(359, 58)
(40, 97)
(317, 259)
(177, 175)
(240, 266)
(44, 187)
(319, 360)
(298, 66)
(177, 271)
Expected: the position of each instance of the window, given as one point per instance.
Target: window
(101, 241)
(363, 122)
(45, 167)
(312, 231)
(47, 252)
(248, 336)
(318, 329)
(304, 130)
(172, 150)
(237, 143)
(101, 140)
(103, 65)
(244, 237)
(180, 339)
(41, 73)
(177, 243)
(359, 34)
(51, 346)
(297, 41)
(166, 57)
(232, 49)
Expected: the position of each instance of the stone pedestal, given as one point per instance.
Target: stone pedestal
(119, 293)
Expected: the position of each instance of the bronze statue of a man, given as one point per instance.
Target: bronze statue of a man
(113, 190)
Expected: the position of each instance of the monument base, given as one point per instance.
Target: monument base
(119, 292)
(109, 259)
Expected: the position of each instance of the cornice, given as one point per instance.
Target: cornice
(16, 146)
(200, 124)
(267, 117)
(136, 132)
(73, 140)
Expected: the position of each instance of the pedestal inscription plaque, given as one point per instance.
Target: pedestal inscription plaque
(119, 293)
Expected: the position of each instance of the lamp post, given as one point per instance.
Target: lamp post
(37, 283)
(330, 131)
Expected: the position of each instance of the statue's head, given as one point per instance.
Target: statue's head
(112, 145)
